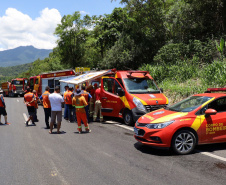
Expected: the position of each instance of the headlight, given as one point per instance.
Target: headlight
(139, 105)
(159, 125)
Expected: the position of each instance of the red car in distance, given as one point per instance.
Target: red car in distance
(198, 119)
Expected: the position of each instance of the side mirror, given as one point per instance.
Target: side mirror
(121, 92)
(209, 112)
(161, 89)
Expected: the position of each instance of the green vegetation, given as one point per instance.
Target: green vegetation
(8, 73)
(181, 43)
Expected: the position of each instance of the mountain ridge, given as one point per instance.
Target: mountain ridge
(22, 55)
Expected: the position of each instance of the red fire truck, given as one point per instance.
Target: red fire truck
(16, 87)
(50, 79)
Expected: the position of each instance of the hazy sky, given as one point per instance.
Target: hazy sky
(27, 22)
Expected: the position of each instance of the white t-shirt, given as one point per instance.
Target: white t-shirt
(55, 101)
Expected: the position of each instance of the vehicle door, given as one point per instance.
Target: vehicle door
(110, 99)
(214, 126)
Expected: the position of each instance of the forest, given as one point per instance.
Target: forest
(180, 42)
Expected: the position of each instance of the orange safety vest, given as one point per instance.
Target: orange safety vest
(1, 104)
(79, 102)
(28, 98)
(86, 96)
(45, 97)
(69, 98)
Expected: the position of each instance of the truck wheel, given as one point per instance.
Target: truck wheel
(183, 142)
(128, 118)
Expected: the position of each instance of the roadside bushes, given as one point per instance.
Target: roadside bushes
(173, 53)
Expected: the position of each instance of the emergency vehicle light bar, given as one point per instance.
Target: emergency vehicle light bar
(130, 72)
(215, 89)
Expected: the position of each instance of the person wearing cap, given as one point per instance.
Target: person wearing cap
(80, 103)
(98, 105)
(65, 105)
(29, 100)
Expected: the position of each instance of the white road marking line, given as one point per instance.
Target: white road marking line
(213, 156)
(18, 100)
(25, 116)
(125, 127)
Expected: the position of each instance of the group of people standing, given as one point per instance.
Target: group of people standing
(77, 106)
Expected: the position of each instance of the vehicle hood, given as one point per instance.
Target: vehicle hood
(161, 115)
(152, 99)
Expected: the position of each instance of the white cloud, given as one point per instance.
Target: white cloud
(18, 29)
(83, 13)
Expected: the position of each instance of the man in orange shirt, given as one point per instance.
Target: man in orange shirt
(98, 105)
(29, 100)
(87, 96)
(79, 102)
(2, 108)
(46, 105)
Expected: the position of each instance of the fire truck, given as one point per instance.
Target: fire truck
(50, 79)
(16, 87)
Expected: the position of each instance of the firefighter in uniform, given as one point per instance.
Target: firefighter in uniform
(29, 100)
(2, 108)
(79, 102)
(97, 105)
(46, 105)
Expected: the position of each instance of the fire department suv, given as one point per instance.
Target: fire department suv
(199, 119)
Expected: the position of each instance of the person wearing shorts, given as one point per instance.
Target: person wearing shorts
(2, 109)
(56, 101)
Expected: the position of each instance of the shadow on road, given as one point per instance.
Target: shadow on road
(210, 147)
(152, 150)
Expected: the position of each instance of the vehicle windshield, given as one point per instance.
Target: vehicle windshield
(140, 85)
(17, 82)
(189, 104)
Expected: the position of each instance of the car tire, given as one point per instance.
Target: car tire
(128, 118)
(183, 142)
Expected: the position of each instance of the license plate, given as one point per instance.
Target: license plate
(135, 131)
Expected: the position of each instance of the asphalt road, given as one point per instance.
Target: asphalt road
(107, 155)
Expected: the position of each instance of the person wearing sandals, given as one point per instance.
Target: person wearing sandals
(3, 109)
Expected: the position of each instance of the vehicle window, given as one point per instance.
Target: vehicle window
(219, 105)
(36, 81)
(31, 82)
(140, 85)
(189, 104)
(15, 82)
(120, 81)
(25, 82)
(111, 85)
(51, 85)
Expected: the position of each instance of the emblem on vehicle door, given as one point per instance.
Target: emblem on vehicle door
(157, 102)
